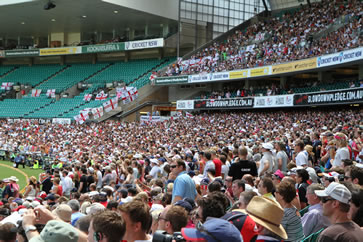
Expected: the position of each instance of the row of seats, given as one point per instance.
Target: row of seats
(13, 108)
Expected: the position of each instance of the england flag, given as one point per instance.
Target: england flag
(36, 92)
(51, 93)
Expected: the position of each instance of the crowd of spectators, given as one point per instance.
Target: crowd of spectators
(280, 39)
(252, 176)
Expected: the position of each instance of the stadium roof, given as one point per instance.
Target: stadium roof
(28, 17)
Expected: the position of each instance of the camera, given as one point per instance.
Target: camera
(163, 236)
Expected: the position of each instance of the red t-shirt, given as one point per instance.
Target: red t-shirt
(218, 164)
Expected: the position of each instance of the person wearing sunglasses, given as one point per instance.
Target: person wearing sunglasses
(335, 201)
(184, 185)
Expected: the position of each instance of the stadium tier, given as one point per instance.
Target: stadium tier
(15, 108)
(31, 75)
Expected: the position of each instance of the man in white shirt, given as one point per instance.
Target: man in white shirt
(301, 159)
(155, 170)
(209, 165)
(67, 183)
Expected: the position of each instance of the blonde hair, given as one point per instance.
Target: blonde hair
(341, 139)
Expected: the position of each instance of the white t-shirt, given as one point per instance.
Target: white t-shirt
(342, 154)
(155, 171)
(301, 159)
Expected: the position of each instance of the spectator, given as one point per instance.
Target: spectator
(313, 220)
(173, 219)
(356, 206)
(75, 206)
(138, 221)
(267, 163)
(183, 185)
(106, 226)
(7, 233)
(268, 216)
(242, 166)
(302, 177)
(285, 194)
(301, 159)
(335, 199)
(265, 188)
(342, 150)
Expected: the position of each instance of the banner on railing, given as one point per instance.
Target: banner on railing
(223, 103)
(329, 97)
(274, 101)
(185, 105)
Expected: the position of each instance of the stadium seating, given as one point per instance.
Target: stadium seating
(15, 108)
(4, 70)
(31, 75)
(71, 76)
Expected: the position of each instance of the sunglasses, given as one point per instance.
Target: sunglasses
(326, 199)
(173, 166)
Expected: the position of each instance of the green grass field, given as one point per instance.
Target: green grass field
(7, 172)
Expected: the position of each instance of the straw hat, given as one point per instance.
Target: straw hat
(13, 178)
(268, 214)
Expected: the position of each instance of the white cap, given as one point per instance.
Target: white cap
(337, 191)
(267, 146)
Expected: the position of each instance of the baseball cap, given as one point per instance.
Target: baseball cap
(267, 146)
(213, 230)
(184, 204)
(57, 231)
(337, 191)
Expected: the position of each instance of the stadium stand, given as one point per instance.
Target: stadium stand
(31, 75)
(15, 108)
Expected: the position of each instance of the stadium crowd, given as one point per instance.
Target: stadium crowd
(294, 36)
(252, 176)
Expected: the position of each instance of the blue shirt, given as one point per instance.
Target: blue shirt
(184, 186)
(314, 220)
(75, 217)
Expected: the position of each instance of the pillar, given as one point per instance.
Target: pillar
(165, 30)
(283, 81)
(360, 72)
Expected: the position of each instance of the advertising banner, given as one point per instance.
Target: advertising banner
(200, 78)
(60, 51)
(103, 48)
(61, 121)
(282, 68)
(185, 105)
(352, 95)
(219, 76)
(147, 119)
(223, 103)
(260, 71)
(171, 80)
(304, 64)
(238, 74)
(144, 44)
(21, 53)
(274, 101)
(340, 58)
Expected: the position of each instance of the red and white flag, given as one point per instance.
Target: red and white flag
(97, 112)
(153, 76)
(36, 92)
(110, 104)
(81, 118)
(87, 97)
(51, 93)
(86, 110)
(101, 96)
(189, 115)
(6, 85)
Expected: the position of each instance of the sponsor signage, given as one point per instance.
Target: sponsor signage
(185, 105)
(103, 48)
(260, 71)
(220, 76)
(340, 58)
(60, 51)
(21, 53)
(144, 44)
(171, 80)
(288, 67)
(61, 121)
(352, 95)
(274, 101)
(304, 64)
(223, 103)
(200, 78)
(238, 74)
(148, 119)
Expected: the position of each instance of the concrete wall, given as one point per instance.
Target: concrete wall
(178, 93)
(163, 8)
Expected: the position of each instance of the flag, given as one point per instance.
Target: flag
(101, 96)
(6, 85)
(97, 112)
(153, 76)
(86, 110)
(110, 104)
(87, 97)
(36, 92)
(81, 118)
(51, 93)
(189, 115)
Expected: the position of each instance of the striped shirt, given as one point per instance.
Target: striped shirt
(292, 225)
